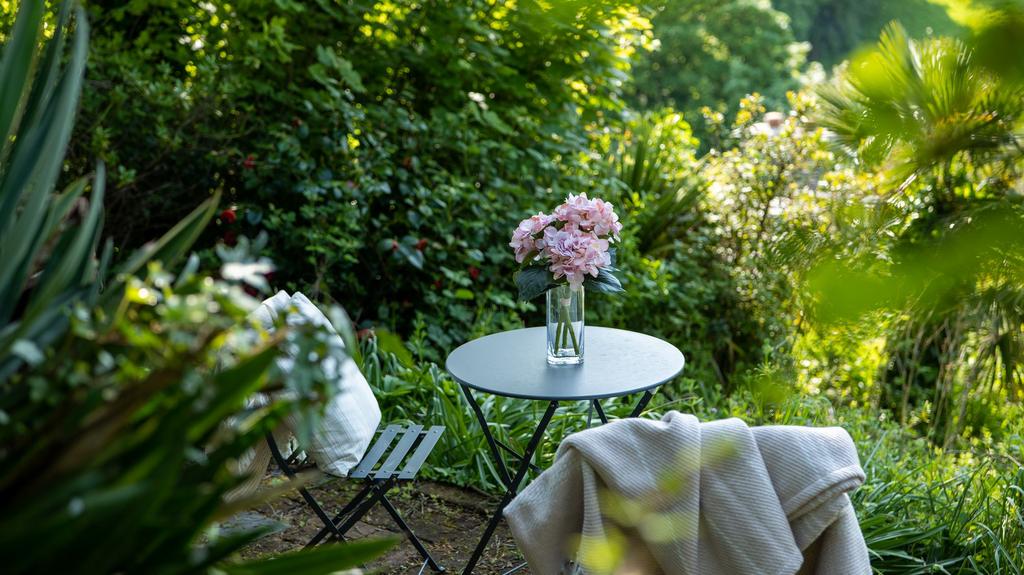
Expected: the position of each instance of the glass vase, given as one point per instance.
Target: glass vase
(565, 325)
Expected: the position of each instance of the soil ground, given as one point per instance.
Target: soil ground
(449, 521)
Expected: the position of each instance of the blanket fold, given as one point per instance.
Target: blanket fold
(678, 496)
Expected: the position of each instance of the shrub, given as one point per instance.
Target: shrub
(677, 286)
(383, 146)
(114, 457)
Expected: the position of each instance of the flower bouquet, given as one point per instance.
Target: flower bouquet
(562, 254)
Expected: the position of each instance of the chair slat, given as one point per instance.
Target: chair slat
(430, 439)
(375, 452)
(387, 469)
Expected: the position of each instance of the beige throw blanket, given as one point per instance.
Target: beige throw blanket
(678, 496)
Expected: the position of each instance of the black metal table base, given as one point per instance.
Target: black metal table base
(512, 483)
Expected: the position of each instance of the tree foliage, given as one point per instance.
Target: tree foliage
(944, 129)
(713, 53)
(837, 28)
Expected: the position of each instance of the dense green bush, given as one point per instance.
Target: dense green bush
(678, 285)
(386, 146)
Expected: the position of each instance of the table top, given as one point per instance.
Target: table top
(615, 363)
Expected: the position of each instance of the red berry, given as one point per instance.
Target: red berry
(249, 162)
(228, 216)
(422, 244)
(437, 284)
(474, 272)
(230, 238)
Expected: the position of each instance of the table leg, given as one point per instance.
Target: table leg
(600, 410)
(643, 403)
(495, 453)
(513, 487)
(596, 403)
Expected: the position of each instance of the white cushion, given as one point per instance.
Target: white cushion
(351, 417)
(271, 308)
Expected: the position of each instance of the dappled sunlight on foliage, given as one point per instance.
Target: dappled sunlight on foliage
(827, 246)
(942, 129)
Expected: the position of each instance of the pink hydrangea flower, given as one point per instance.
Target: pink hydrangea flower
(573, 240)
(574, 210)
(594, 215)
(524, 240)
(604, 219)
(574, 253)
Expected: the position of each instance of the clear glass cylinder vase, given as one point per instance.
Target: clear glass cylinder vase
(565, 325)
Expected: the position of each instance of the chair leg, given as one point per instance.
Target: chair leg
(363, 509)
(331, 525)
(409, 533)
(282, 463)
(354, 510)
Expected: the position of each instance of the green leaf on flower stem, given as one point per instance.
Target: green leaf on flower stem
(533, 281)
(605, 282)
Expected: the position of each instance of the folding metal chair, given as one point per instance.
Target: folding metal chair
(414, 444)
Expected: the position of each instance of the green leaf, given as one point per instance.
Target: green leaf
(171, 246)
(27, 351)
(411, 255)
(342, 324)
(233, 386)
(63, 269)
(391, 342)
(36, 160)
(463, 293)
(48, 73)
(494, 121)
(349, 74)
(19, 54)
(329, 58)
(533, 281)
(325, 559)
(605, 282)
(14, 272)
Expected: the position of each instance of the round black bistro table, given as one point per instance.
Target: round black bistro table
(514, 364)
